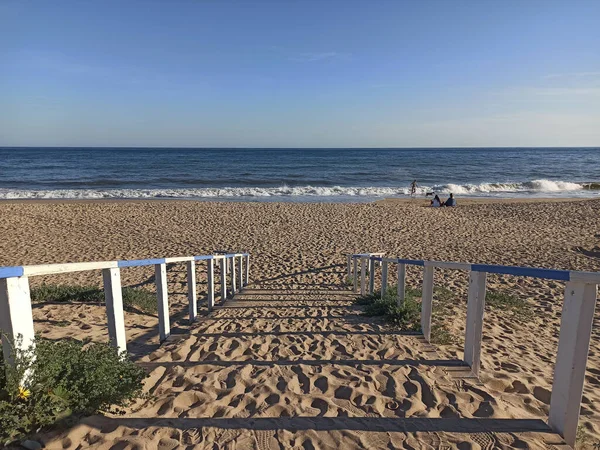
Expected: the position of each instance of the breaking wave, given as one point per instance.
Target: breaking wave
(482, 189)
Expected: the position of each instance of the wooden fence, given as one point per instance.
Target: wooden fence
(16, 318)
(575, 326)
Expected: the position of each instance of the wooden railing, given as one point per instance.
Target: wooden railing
(16, 318)
(575, 326)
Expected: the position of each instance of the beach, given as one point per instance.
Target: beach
(298, 262)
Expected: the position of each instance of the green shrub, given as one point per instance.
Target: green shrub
(133, 298)
(61, 379)
(379, 307)
(367, 299)
(141, 299)
(406, 317)
(66, 293)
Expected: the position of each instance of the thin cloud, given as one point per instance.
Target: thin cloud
(56, 62)
(571, 75)
(589, 91)
(307, 57)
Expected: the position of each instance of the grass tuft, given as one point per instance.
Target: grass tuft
(405, 317)
(506, 301)
(134, 299)
(408, 316)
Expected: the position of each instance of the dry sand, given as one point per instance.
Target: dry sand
(290, 363)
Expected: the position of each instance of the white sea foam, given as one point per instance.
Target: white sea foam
(508, 189)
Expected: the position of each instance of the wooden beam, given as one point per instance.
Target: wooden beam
(164, 325)
(211, 284)
(573, 347)
(474, 326)
(427, 302)
(16, 317)
(384, 278)
(401, 283)
(191, 290)
(113, 296)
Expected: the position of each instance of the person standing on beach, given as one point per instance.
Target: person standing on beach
(413, 188)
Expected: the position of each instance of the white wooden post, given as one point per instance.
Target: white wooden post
(355, 274)
(211, 283)
(191, 286)
(164, 326)
(401, 283)
(233, 279)
(474, 327)
(384, 278)
(16, 317)
(426, 302)
(349, 265)
(573, 346)
(223, 278)
(241, 274)
(113, 295)
(247, 267)
(363, 276)
(371, 276)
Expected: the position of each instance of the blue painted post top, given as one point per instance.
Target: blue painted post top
(11, 272)
(414, 262)
(203, 257)
(549, 274)
(140, 262)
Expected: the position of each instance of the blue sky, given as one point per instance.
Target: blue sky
(300, 73)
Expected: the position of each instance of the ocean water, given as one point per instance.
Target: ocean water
(340, 175)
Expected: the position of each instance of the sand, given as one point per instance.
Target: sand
(291, 363)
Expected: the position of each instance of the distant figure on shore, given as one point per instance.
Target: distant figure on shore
(436, 202)
(413, 188)
(450, 202)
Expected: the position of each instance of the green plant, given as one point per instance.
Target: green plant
(441, 335)
(405, 317)
(66, 293)
(139, 298)
(506, 301)
(367, 299)
(133, 298)
(53, 380)
(379, 307)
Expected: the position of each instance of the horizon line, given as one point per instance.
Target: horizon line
(291, 148)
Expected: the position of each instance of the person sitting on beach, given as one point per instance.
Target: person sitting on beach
(436, 202)
(450, 202)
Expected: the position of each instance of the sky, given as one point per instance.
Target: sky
(310, 73)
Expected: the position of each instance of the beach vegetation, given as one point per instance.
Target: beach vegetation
(509, 302)
(367, 299)
(407, 317)
(53, 382)
(134, 299)
(585, 440)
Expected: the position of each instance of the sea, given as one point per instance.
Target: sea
(296, 175)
